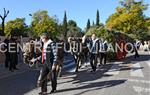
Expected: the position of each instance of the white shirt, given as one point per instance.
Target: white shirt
(45, 47)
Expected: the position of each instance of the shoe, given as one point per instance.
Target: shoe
(92, 71)
(43, 93)
(100, 65)
(11, 70)
(53, 91)
(16, 69)
(39, 84)
(40, 93)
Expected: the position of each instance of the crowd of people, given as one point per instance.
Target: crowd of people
(11, 58)
(51, 56)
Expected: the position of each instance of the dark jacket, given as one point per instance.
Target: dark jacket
(51, 54)
(94, 46)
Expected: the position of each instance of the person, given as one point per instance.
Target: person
(7, 54)
(136, 55)
(138, 43)
(13, 54)
(103, 52)
(85, 49)
(94, 49)
(49, 61)
(121, 54)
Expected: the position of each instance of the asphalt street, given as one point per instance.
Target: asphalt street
(127, 77)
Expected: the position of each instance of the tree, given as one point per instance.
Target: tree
(0, 28)
(65, 26)
(93, 24)
(148, 23)
(97, 18)
(73, 29)
(3, 20)
(42, 22)
(88, 25)
(16, 27)
(129, 18)
(72, 23)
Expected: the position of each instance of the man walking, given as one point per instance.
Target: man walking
(94, 49)
(103, 52)
(7, 54)
(49, 61)
(13, 50)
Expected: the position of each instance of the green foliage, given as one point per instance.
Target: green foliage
(73, 29)
(42, 22)
(64, 26)
(101, 32)
(97, 18)
(72, 23)
(129, 19)
(148, 23)
(88, 25)
(0, 28)
(93, 24)
(17, 27)
(112, 56)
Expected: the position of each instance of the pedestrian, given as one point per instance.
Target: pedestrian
(136, 55)
(7, 54)
(13, 54)
(94, 49)
(49, 64)
(103, 52)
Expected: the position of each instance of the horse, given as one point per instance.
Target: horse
(60, 51)
(79, 50)
(30, 52)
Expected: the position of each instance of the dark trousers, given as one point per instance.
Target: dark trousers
(13, 61)
(103, 56)
(7, 59)
(93, 61)
(136, 54)
(43, 78)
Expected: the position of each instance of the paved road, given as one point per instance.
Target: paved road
(128, 77)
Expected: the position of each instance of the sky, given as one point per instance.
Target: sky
(78, 10)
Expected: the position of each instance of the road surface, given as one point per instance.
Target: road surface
(126, 77)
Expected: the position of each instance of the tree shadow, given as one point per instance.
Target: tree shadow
(131, 60)
(143, 57)
(98, 85)
(85, 75)
(19, 84)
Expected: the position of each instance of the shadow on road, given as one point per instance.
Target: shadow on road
(143, 57)
(19, 84)
(96, 85)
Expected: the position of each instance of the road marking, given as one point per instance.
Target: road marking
(148, 63)
(114, 70)
(139, 81)
(141, 89)
(136, 70)
(68, 65)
